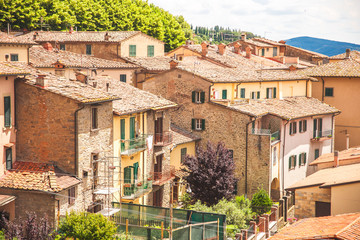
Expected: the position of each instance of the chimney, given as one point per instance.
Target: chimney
(221, 47)
(336, 158)
(173, 64)
(47, 46)
(81, 77)
(237, 47)
(42, 80)
(71, 30)
(347, 53)
(292, 68)
(106, 37)
(204, 49)
(243, 36)
(282, 41)
(248, 52)
(36, 34)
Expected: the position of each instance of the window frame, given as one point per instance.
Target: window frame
(292, 162)
(242, 92)
(132, 50)
(332, 92)
(302, 159)
(224, 94)
(94, 118)
(7, 112)
(122, 76)
(271, 93)
(62, 46)
(183, 153)
(71, 195)
(293, 128)
(152, 47)
(302, 126)
(198, 124)
(198, 97)
(88, 49)
(7, 151)
(14, 55)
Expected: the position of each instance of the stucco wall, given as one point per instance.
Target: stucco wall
(345, 198)
(21, 50)
(142, 41)
(175, 156)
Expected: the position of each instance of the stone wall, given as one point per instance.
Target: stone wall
(305, 199)
(303, 55)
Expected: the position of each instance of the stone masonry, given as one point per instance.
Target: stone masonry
(305, 200)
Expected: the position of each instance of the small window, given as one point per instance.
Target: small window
(329, 92)
(7, 111)
(62, 47)
(132, 50)
(14, 57)
(8, 153)
(71, 196)
(270, 92)
(94, 118)
(123, 78)
(292, 162)
(88, 50)
(302, 159)
(242, 93)
(198, 97)
(224, 94)
(292, 128)
(198, 124)
(183, 154)
(302, 126)
(274, 155)
(150, 50)
(85, 174)
(316, 154)
(263, 52)
(255, 95)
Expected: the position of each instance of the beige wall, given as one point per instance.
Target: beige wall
(21, 50)
(175, 155)
(142, 41)
(346, 98)
(182, 52)
(345, 198)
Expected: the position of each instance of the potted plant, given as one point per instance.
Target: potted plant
(127, 185)
(139, 184)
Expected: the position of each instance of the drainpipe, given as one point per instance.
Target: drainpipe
(322, 89)
(306, 90)
(212, 84)
(283, 159)
(237, 89)
(246, 154)
(76, 140)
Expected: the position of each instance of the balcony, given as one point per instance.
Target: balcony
(275, 136)
(163, 139)
(133, 191)
(161, 177)
(319, 136)
(134, 145)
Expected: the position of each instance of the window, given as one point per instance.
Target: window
(122, 134)
(71, 196)
(292, 162)
(274, 156)
(329, 92)
(123, 78)
(88, 50)
(94, 118)
(242, 93)
(317, 129)
(183, 154)
(8, 153)
(14, 57)
(62, 47)
(198, 124)
(292, 128)
(255, 95)
(302, 126)
(274, 51)
(302, 159)
(198, 97)
(150, 50)
(263, 52)
(224, 94)
(316, 153)
(132, 50)
(270, 92)
(7, 111)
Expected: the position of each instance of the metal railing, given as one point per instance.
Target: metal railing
(260, 131)
(134, 145)
(321, 134)
(135, 190)
(275, 136)
(165, 175)
(163, 139)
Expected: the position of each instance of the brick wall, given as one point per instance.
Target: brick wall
(305, 199)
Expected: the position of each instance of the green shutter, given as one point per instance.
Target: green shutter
(295, 126)
(274, 92)
(132, 50)
(290, 162)
(202, 97)
(150, 50)
(300, 126)
(132, 127)
(315, 128)
(123, 78)
(294, 160)
(320, 127)
(183, 154)
(224, 94)
(317, 152)
(7, 111)
(290, 128)
(8, 158)
(242, 92)
(122, 133)
(267, 92)
(305, 125)
(300, 155)
(193, 96)
(263, 52)
(304, 158)
(193, 122)
(258, 94)
(88, 49)
(136, 167)
(203, 124)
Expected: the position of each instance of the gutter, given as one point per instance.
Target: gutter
(283, 159)
(76, 140)
(246, 154)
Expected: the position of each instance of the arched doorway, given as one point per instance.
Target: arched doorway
(275, 190)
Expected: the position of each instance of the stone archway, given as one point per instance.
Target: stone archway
(275, 190)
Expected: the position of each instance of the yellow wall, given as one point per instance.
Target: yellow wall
(268, 51)
(142, 41)
(175, 155)
(21, 50)
(345, 198)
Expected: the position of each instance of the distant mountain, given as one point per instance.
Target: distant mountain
(324, 46)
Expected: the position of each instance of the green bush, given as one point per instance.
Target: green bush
(261, 202)
(87, 226)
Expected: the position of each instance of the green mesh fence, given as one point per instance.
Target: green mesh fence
(145, 222)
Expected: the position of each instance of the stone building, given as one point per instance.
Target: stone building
(13, 49)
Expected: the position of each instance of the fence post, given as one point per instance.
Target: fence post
(244, 233)
(162, 230)
(285, 208)
(203, 232)
(238, 236)
(261, 224)
(190, 232)
(253, 224)
(218, 229)
(273, 216)
(127, 227)
(267, 232)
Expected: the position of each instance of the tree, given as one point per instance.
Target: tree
(261, 202)
(211, 173)
(89, 226)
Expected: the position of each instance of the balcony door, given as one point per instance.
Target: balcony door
(157, 198)
(132, 131)
(159, 130)
(158, 167)
(317, 127)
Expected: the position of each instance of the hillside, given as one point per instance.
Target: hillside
(324, 46)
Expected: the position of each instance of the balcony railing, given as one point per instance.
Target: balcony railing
(322, 135)
(135, 190)
(134, 145)
(259, 131)
(163, 139)
(161, 177)
(275, 136)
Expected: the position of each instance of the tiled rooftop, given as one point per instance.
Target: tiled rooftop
(86, 36)
(268, 41)
(181, 136)
(344, 68)
(331, 176)
(353, 54)
(287, 108)
(150, 63)
(6, 39)
(315, 54)
(40, 57)
(37, 177)
(345, 227)
(11, 68)
(348, 154)
(132, 99)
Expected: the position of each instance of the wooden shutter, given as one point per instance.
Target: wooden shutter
(315, 128)
(242, 92)
(136, 168)
(267, 92)
(274, 92)
(290, 163)
(127, 175)
(123, 78)
(132, 127)
(132, 50)
(294, 160)
(203, 124)
(300, 126)
(305, 125)
(193, 123)
(193, 96)
(202, 97)
(320, 127)
(224, 94)
(304, 158)
(258, 94)
(317, 153)
(122, 133)
(183, 154)
(150, 50)
(294, 127)
(7, 111)
(290, 129)
(300, 155)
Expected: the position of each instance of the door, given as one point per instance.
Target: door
(132, 131)
(158, 167)
(159, 130)
(317, 128)
(122, 134)
(322, 209)
(157, 198)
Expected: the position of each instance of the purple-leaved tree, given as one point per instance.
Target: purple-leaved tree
(211, 173)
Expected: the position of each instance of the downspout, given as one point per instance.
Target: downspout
(212, 84)
(237, 89)
(322, 89)
(333, 130)
(76, 140)
(306, 90)
(283, 159)
(246, 154)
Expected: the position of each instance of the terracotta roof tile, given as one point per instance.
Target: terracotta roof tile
(37, 177)
(268, 41)
(348, 154)
(181, 136)
(353, 54)
(11, 68)
(40, 57)
(344, 68)
(150, 63)
(345, 226)
(6, 39)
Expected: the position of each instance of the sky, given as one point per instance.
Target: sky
(274, 19)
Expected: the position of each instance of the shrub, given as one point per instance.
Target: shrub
(261, 202)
